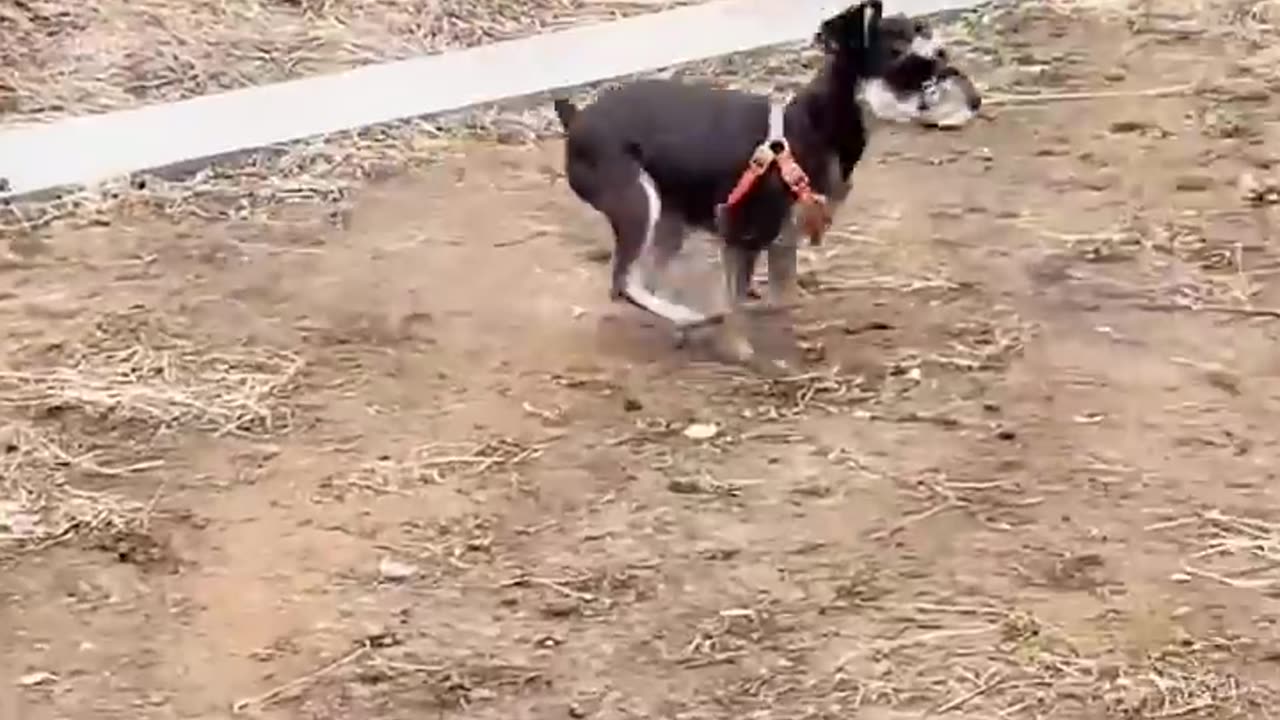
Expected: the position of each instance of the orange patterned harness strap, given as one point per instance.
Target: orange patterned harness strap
(815, 215)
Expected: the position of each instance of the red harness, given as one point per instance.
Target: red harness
(815, 212)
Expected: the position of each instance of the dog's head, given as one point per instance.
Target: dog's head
(903, 74)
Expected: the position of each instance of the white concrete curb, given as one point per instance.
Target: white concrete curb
(82, 151)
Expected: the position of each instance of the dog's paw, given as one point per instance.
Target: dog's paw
(683, 335)
(785, 299)
(680, 337)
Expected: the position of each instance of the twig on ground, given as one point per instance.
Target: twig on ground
(993, 680)
(923, 638)
(724, 658)
(438, 462)
(913, 519)
(1223, 309)
(1230, 582)
(150, 509)
(555, 585)
(1030, 99)
(276, 693)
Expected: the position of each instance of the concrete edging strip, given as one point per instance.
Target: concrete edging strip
(82, 151)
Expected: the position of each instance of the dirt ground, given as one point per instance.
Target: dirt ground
(410, 462)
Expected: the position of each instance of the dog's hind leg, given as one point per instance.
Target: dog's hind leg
(634, 213)
(668, 241)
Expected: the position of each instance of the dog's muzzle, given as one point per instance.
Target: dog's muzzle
(960, 83)
(949, 100)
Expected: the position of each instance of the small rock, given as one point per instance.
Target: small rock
(1108, 672)
(1053, 151)
(1121, 127)
(28, 247)
(630, 404)
(35, 679)
(1114, 75)
(382, 171)
(515, 135)
(395, 571)
(1259, 158)
(1180, 578)
(548, 641)
(598, 255)
(1193, 182)
(1257, 192)
(701, 431)
(560, 608)
(1099, 182)
(1223, 379)
(18, 521)
(1249, 186)
(481, 695)
(263, 655)
(684, 486)
(378, 636)
(814, 489)
(1242, 90)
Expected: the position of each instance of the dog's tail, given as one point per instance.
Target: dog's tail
(566, 111)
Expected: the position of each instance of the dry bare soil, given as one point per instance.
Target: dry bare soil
(398, 457)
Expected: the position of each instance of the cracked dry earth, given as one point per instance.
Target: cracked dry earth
(1023, 464)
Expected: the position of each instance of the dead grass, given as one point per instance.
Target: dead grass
(160, 381)
(438, 463)
(59, 59)
(1012, 665)
(72, 59)
(127, 380)
(1015, 665)
(1235, 551)
(40, 506)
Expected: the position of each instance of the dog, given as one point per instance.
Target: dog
(660, 157)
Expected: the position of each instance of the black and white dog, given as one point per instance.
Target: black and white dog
(657, 157)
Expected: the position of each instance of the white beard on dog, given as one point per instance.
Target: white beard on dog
(939, 103)
(947, 105)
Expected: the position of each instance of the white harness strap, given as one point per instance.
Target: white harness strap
(777, 111)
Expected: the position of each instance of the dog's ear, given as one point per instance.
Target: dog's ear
(854, 30)
(820, 40)
(833, 33)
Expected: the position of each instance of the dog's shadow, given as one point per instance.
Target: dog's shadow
(694, 279)
(634, 336)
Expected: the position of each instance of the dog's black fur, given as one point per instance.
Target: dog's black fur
(694, 142)
(689, 144)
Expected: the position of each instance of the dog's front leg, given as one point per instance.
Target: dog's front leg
(784, 289)
(739, 265)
